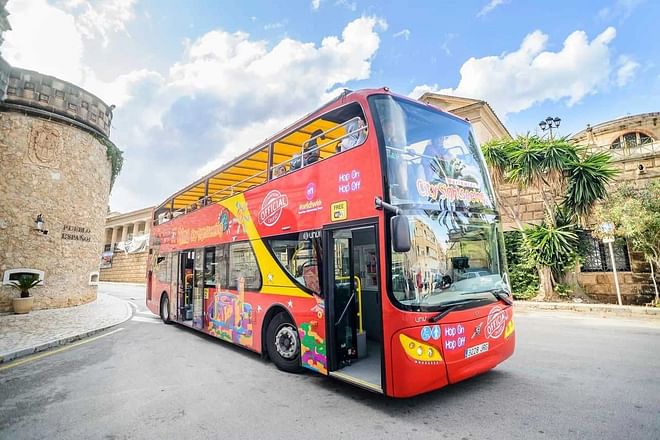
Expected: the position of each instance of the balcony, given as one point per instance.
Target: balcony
(639, 151)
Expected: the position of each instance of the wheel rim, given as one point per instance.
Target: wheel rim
(165, 309)
(286, 342)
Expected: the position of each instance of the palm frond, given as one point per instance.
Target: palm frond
(587, 182)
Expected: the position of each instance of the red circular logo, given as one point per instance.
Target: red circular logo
(496, 322)
(271, 207)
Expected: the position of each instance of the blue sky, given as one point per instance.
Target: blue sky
(198, 84)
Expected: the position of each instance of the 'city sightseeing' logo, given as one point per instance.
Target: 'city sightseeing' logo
(271, 207)
(496, 321)
(442, 191)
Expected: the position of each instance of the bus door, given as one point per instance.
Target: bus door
(354, 325)
(185, 286)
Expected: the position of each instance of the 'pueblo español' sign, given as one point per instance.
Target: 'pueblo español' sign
(76, 233)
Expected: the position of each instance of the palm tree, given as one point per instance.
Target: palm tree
(569, 180)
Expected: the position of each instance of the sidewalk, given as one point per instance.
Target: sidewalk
(22, 335)
(592, 309)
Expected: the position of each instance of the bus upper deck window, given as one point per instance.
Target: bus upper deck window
(355, 134)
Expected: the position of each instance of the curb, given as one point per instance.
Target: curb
(600, 309)
(11, 356)
(117, 283)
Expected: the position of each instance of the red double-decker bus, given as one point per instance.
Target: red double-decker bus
(362, 242)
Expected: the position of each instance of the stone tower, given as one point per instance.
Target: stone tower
(56, 163)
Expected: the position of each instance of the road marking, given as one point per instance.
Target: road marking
(57, 350)
(154, 320)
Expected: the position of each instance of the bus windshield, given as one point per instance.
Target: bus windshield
(436, 175)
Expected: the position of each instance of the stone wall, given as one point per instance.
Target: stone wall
(126, 268)
(61, 172)
(528, 203)
(636, 286)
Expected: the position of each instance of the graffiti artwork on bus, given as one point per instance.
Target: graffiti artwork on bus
(230, 318)
(312, 348)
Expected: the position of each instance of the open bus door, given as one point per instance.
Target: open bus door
(354, 320)
(185, 287)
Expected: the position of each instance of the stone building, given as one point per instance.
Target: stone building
(125, 252)
(633, 142)
(54, 167)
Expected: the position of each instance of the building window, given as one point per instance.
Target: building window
(94, 279)
(299, 256)
(12, 275)
(630, 140)
(243, 264)
(597, 255)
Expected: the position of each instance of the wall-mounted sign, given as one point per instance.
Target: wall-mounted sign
(77, 233)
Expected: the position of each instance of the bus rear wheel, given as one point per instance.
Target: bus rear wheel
(283, 343)
(165, 309)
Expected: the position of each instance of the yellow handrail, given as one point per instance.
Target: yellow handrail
(358, 288)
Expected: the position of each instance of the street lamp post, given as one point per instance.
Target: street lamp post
(549, 123)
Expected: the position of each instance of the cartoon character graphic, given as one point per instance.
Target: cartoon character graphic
(241, 218)
(223, 220)
(319, 308)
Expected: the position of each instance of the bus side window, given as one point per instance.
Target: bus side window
(221, 267)
(243, 265)
(300, 258)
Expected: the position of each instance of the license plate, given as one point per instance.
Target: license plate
(473, 351)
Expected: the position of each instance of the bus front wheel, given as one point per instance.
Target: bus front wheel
(283, 343)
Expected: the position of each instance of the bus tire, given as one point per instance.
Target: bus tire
(165, 309)
(283, 343)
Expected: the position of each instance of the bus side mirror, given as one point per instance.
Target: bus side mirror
(400, 233)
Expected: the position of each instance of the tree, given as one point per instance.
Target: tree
(635, 213)
(569, 181)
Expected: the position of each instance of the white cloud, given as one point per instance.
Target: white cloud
(492, 4)
(276, 25)
(445, 43)
(621, 9)
(351, 6)
(44, 38)
(316, 4)
(100, 18)
(627, 67)
(405, 33)
(516, 81)
(50, 40)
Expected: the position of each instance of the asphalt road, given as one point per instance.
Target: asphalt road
(571, 377)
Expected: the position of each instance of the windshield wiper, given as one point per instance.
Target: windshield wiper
(503, 295)
(444, 310)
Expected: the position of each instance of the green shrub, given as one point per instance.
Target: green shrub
(522, 273)
(563, 290)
